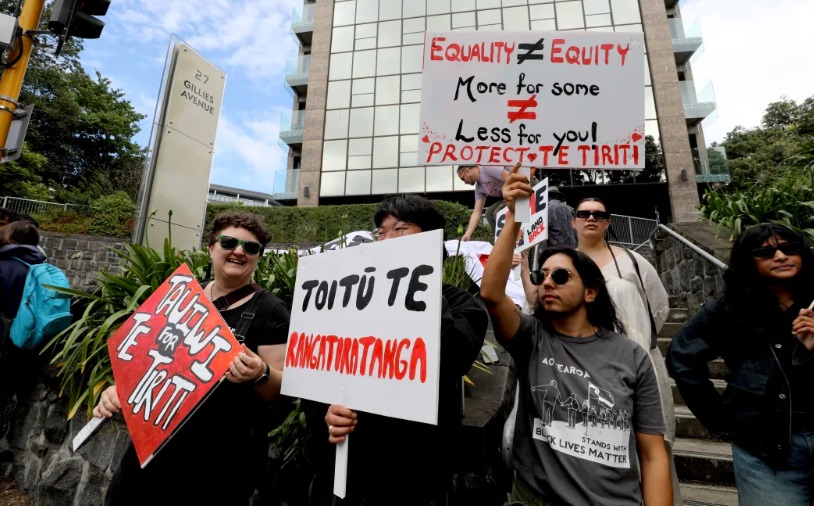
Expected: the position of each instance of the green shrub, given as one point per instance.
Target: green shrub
(113, 216)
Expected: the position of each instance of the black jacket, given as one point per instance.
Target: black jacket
(397, 462)
(12, 276)
(755, 409)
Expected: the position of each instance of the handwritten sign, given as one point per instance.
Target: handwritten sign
(365, 326)
(544, 99)
(536, 230)
(167, 357)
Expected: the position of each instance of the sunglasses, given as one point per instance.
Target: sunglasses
(231, 243)
(559, 276)
(788, 248)
(598, 215)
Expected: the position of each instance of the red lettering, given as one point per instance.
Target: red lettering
(331, 345)
(636, 154)
(390, 358)
(290, 356)
(607, 155)
(312, 362)
(435, 48)
(435, 148)
(562, 157)
(545, 150)
(450, 153)
(607, 48)
(344, 364)
(556, 50)
(456, 52)
(402, 367)
(584, 149)
(466, 155)
(419, 355)
(623, 52)
(377, 357)
(366, 342)
(494, 155)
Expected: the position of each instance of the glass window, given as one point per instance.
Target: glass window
(531, 2)
(390, 9)
(364, 63)
(651, 127)
(647, 73)
(438, 23)
(359, 162)
(512, 3)
(408, 152)
(338, 95)
(358, 183)
(340, 66)
(408, 96)
(366, 36)
(367, 11)
(463, 20)
(387, 90)
(544, 24)
(569, 15)
(437, 7)
(488, 4)
(411, 88)
(365, 100)
(344, 13)
(409, 118)
(334, 155)
(411, 180)
(597, 20)
(625, 12)
(413, 30)
(516, 18)
(385, 152)
(411, 59)
(342, 39)
(385, 181)
(439, 179)
(596, 7)
(387, 120)
(649, 103)
(489, 17)
(336, 124)
(361, 122)
(362, 92)
(413, 8)
(601, 29)
(332, 183)
(360, 147)
(390, 34)
(463, 5)
(541, 11)
(388, 61)
(628, 28)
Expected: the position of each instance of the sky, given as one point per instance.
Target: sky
(755, 51)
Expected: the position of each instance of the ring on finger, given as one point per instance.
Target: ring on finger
(331, 430)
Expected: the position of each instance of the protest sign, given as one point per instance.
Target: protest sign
(536, 230)
(167, 358)
(544, 99)
(365, 331)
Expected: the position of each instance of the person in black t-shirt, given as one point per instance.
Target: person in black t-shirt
(217, 453)
(394, 462)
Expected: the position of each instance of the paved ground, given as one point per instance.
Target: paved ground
(10, 495)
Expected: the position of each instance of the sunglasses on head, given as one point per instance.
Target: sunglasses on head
(559, 276)
(788, 248)
(583, 214)
(231, 243)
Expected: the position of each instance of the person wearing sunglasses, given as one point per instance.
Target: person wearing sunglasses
(570, 342)
(228, 433)
(395, 462)
(762, 328)
(640, 298)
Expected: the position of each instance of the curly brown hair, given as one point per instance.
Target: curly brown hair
(239, 219)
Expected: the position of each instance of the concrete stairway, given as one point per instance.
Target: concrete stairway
(703, 461)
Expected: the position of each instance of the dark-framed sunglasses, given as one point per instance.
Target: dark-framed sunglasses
(231, 243)
(583, 214)
(788, 248)
(559, 276)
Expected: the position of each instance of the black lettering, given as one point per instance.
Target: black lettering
(308, 286)
(396, 275)
(417, 286)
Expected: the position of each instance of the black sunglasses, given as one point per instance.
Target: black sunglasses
(583, 214)
(559, 276)
(788, 248)
(231, 243)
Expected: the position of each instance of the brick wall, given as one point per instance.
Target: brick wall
(81, 256)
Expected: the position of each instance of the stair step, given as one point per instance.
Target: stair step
(720, 386)
(677, 301)
(678, 315)
(698, 494)
(664, 343)
(670, 329)
(703, 461)
(687, 426)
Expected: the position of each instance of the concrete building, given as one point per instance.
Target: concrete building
(219, 194)
(353, 130)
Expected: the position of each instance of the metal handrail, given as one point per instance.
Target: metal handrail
(714, 261)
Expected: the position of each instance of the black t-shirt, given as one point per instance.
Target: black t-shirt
(214, 456)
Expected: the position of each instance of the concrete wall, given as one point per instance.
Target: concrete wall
(81, 256)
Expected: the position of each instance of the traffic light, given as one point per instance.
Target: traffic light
(76, 18)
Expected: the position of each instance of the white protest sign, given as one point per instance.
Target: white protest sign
(544, 99)
(536, 230)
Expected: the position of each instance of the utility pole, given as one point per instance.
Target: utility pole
(12, 80)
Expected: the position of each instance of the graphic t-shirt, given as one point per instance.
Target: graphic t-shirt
(581, 402)
(489, 184)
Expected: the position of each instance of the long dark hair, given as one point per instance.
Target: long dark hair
(746, 293)
(601, 312)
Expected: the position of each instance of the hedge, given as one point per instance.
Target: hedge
(320, 224)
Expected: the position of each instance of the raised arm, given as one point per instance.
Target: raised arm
(474, 219)
(504, 313)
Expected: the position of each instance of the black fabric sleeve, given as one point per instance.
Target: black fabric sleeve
(463, 328)
(687, 358)
(275, 319)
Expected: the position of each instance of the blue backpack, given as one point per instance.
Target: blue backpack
(43, 312)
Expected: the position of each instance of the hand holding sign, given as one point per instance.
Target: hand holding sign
(341, 421)
(246, 366)
(109, 403)
(517, 190)
(803, 328)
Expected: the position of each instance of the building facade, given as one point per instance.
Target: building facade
(356, 88)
